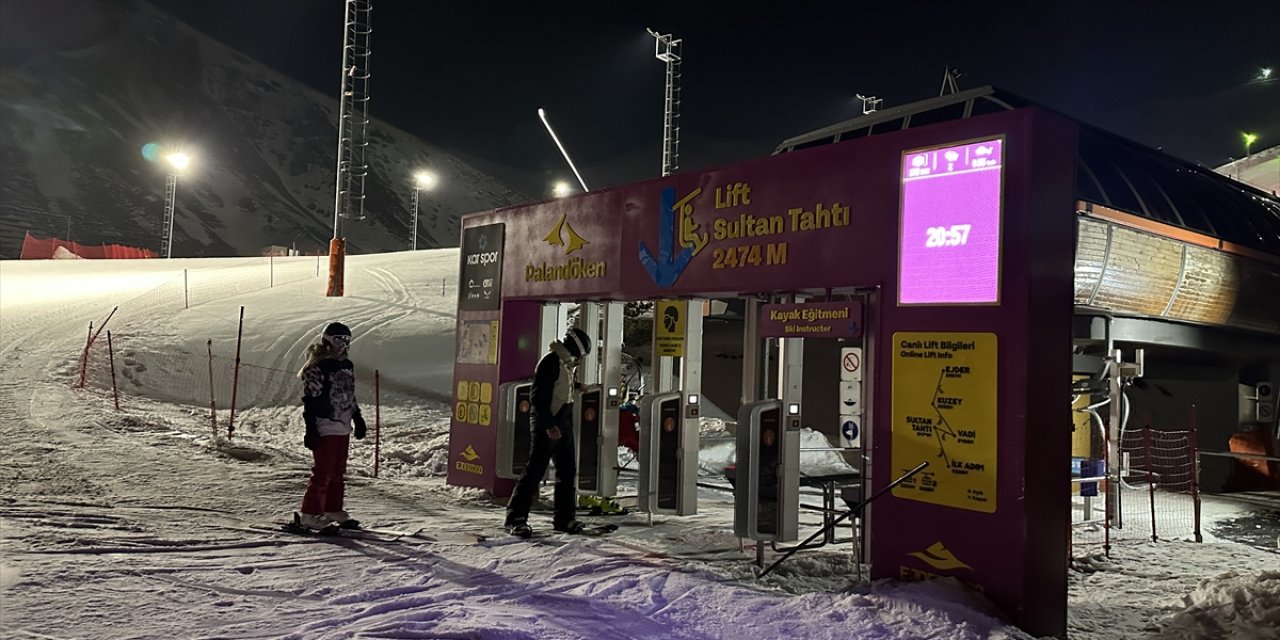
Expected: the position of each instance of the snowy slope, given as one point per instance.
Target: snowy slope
(140, 524)
(75, 114)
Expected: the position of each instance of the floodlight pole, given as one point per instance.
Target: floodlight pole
(353, 141)
(170, 202)
(414, 244)
(542, 114)
(667, 49)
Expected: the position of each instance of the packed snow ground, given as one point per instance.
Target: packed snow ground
(140, 524)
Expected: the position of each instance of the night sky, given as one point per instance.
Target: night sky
(470, 76)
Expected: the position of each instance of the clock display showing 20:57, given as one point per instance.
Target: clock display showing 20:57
(957, 235)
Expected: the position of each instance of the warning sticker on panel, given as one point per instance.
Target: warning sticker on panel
(944, 412)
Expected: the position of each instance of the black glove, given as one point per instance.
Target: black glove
(312, 437)
(361, 428)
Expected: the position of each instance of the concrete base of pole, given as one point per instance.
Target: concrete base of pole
(337, 265)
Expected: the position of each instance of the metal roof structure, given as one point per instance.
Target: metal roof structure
(1112, 171)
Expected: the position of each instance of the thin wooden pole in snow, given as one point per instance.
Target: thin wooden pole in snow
(213, 405)
(84, 356)
(377, 421)
(235, 378)
(1195, 472)
(111, 357)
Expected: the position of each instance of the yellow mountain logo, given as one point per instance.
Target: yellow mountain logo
(939, 557)
(468, 462)
(556, 237)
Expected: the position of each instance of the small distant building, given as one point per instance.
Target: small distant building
(277, 250)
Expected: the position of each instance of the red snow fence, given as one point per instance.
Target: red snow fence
(34, 248)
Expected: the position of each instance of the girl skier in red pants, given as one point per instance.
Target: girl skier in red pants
(329, 411)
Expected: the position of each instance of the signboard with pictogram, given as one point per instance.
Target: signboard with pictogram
(669, 321)
(851, 363)
(481, 273)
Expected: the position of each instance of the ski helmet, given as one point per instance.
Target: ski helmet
(337, 329)
(337, 333)
(577, 341)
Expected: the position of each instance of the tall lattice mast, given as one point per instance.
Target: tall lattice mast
(667, 49)
(353, 115)
(170, 201)
(353, 139)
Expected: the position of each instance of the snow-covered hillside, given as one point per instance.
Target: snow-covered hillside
(77, 109)
(140, 524)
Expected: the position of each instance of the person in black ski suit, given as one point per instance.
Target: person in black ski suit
(552, 422)
(329, 412)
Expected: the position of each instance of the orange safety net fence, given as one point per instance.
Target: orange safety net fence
(34, 248)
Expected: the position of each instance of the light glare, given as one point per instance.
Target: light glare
(179, 161)
(425, 180)
(561, 189)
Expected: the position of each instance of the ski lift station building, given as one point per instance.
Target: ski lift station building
(955, 278)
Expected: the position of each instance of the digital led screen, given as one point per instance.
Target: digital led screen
(949, 249)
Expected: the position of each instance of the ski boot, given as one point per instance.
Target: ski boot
(314, 523)
(342, 519)
(520, 530)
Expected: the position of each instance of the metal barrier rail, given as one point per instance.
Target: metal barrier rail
(1233, 454)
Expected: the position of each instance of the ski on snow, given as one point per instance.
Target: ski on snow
(380, 535)
(590, 531)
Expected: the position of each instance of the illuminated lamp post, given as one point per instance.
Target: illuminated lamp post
(1249, 139)
(421, 180)
(561, 189)
(179, 163)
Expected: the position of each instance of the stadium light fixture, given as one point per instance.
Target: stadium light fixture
(179, 161)
(561, 189)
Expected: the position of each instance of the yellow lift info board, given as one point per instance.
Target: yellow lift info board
(945, 413)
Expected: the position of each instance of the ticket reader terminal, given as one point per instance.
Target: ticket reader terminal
(595, 425)
(668, 456)
(766, 497)
(515, 430)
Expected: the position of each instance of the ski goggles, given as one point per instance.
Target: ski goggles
(339, 341)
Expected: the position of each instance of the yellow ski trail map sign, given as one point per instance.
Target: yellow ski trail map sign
(945, 412)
